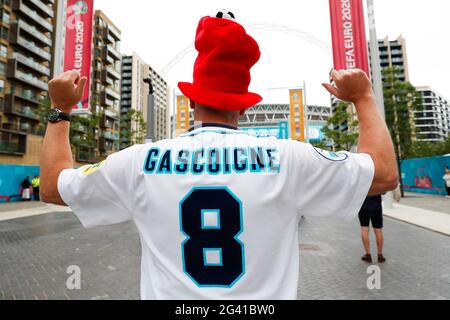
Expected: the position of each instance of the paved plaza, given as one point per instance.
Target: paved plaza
(36, 251)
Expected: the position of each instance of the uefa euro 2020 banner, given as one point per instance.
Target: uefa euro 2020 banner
(349, 35)
(78, 44)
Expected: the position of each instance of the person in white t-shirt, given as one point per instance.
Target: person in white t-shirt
(218, 210)
(446, 178)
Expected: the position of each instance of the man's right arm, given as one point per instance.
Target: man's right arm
(374, 137)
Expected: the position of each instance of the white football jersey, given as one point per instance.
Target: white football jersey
(218, 210)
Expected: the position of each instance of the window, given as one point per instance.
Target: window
(2, 85)
(3, 51)
(2, 68)
(5, 17)
(4, 33)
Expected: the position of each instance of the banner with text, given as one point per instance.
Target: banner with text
(78, 44)
(297, 114)
(349, 35)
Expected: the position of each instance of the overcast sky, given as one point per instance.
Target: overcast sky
(159, 30)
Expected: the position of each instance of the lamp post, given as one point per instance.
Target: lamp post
(376, 78)
(150, 111)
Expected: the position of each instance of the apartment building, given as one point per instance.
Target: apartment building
(161, 121)
(393, 54)
(26, 42)
(134, 96)
(433, 120)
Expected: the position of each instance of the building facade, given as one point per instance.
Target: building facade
(26, 42)
(432, 122)
(161, 120)
(260, 116)
(393, 53)
(134, 97)
(105, 90)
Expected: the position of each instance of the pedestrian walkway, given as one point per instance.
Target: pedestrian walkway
(37, 251)
(427, 202)
(432, 220)
(17, 210)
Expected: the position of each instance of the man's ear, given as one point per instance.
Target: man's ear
(242, 113)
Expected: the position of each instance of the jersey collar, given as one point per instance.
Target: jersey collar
(212, 125)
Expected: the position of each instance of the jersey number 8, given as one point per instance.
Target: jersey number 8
(211, 220)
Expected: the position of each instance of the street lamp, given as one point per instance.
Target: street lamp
(376, 79)
(150, 111)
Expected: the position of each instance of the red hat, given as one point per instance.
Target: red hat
(226, 54)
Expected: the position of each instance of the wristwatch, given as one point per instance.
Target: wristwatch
(55, 115)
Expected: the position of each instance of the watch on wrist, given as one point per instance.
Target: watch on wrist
(55, 115)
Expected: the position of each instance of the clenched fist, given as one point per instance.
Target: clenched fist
(66, 90)
(351, 85)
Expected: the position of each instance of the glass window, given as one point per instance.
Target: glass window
(4, 33)
(5, 17)
(2, 68)
(2, 85)
(3, 51)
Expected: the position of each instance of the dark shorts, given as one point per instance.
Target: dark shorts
(366, 217)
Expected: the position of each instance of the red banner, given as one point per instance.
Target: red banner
(78, 44)
(349, 35)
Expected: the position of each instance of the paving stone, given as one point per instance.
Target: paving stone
(35, 253)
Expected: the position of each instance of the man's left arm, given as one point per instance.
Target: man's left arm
(65, 91)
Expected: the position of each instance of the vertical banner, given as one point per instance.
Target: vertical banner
(349, 35)
(78, 44)
(297, 114)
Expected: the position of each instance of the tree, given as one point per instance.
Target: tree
(422, 149)
(133, 128)
(401, 99)
(343, 138)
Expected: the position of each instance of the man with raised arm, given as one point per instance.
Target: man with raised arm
(217, 209)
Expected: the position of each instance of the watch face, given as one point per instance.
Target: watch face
(53, 115)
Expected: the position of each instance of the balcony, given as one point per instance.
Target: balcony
(13, 72)
(20, 26)
(27, 96)
(30, 63)
(111, 136)
(79, 128)
(12, 142)
(105, 79)
(113, 52)
(116, 75)
(20, 7)
(106, 123)
(31, 47)
(113, 31)
(107, 36)
(106, 58)
(104, 101)
(112, 114)
(17, 110)
(44, 9)
(22, 128)
(112, 94)
(87, 154)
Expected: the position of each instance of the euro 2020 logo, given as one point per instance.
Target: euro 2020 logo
(74, 13)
